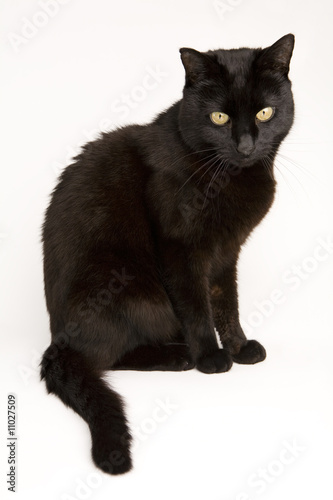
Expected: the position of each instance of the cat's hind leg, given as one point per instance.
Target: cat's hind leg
(167, 357)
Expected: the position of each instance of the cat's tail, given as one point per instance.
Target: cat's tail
(70, 376)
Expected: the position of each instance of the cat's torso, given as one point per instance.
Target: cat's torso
(116, 198)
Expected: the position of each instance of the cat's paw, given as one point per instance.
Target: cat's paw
(218, 362)
(179, 357)
(252, 352)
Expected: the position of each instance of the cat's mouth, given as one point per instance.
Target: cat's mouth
(247, 162)
(244, 162)
(236, 160)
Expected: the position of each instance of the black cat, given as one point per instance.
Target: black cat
(143, 232)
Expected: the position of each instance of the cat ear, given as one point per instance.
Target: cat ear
(277, 57)
(197, 65)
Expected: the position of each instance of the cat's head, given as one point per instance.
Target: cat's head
(237, 102)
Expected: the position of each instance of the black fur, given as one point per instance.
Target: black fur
(143, 232)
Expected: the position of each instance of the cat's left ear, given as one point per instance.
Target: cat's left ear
(197, 65)
(277, 57)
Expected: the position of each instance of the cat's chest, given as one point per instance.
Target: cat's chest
(231, 210)
(224, 214)
(242, 205)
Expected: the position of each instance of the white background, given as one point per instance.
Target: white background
(62, 86)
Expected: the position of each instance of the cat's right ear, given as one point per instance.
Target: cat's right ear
(197, 65)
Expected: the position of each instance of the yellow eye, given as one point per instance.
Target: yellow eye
(219, 118)
(265, 114)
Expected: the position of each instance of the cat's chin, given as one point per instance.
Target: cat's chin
(243, 163)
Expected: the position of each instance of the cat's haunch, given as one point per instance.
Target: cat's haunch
(143, 232)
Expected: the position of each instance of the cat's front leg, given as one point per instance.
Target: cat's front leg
(185, 277)
(224, 300)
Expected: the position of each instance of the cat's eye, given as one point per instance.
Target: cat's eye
(219, 118)
(265, 114)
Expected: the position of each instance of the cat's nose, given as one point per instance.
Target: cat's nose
(245, 145)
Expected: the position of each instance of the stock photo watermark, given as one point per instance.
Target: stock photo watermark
(30, 27)
(292, 279)
(131, 100)
(224, 7)
(87, 311)
(201, 198)
(121, 108)
(11, 475)
(163, 409)
(264, 476)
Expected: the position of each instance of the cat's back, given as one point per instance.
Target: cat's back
(105, 179)
(112, 161)
(98, 202)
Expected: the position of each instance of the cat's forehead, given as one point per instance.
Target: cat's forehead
(236, 64)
